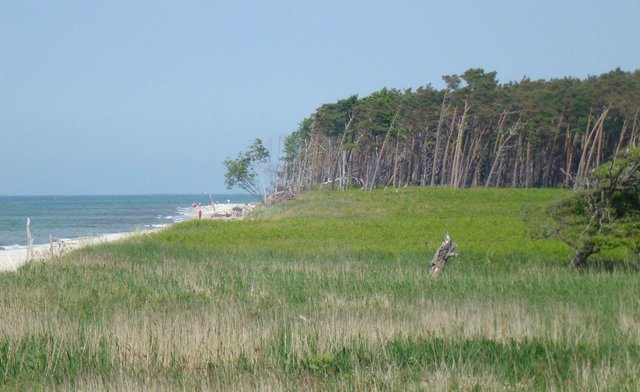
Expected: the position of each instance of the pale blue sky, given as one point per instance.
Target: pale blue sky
(150, 97)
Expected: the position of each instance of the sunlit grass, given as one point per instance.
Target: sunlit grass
(329, 291)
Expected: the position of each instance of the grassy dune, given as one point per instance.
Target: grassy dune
(329, 291)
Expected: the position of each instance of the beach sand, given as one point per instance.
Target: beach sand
(222, 211)
(11, 260)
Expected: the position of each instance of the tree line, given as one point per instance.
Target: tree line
(474, 132)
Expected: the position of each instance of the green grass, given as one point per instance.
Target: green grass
(328, 291)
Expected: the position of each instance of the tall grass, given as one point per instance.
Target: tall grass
(329, 291)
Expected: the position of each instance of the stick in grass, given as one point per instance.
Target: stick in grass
(29, 240)
(443, 253)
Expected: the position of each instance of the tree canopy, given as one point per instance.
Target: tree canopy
(245, 171)
(475, 131)
(606, 214)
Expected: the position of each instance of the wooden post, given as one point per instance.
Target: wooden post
(29, 240)
(443, 253)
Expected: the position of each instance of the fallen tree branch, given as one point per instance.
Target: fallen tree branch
(443, 253)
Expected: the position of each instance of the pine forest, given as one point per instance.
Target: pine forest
(475, 132)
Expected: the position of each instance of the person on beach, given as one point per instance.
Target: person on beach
(199, 214)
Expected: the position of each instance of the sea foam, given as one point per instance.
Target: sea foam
(12, 247)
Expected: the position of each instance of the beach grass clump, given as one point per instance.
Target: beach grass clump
(328, 291)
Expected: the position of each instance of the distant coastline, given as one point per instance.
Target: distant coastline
(14, 256)
(68, 217)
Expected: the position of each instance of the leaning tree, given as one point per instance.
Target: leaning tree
(247, 170)
(603, 215)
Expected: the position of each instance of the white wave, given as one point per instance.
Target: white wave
(13, 247)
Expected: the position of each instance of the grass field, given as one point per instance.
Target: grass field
(329, 291)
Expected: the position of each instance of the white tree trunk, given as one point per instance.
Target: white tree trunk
(29, 240)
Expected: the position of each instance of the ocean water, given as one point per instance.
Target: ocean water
(67, 217)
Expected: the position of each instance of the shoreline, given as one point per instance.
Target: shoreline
(12, 259)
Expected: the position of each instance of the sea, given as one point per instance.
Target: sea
(69, 217)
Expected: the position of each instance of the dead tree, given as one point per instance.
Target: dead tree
(56, 246)
(443, 253)
(29, 240)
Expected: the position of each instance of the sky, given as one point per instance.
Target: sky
(136, 97)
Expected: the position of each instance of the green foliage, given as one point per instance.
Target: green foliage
(478, 79)
(547, 120)
(452, 81)
(606, 215)
(294, 142)
(375, 113)
(244, 171)
(333, 118)
(616, 192)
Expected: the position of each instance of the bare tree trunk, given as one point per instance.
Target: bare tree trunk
(529, 169)
(497, 148)
(338, 153)
(551, 155)
(589, 147)
(473, 148)
(396, 158)
(583, 155)
(594, 147)
(634, 127)
(441, 256)
(380, 156)
(443, 177)
(570, 145)
(434, 167)
(599, 149)
(423, 162)
(497, 160)
(29, 240)
(514, 180)
(457, 157)
(622, 132)
(414, 164)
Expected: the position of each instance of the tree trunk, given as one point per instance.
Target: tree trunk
(443, 176)
(381, 155)
(396, 159)
(632, 139)
(443, 253)
(29, 240)
(622, 132)
(580, 259)
(434, 168)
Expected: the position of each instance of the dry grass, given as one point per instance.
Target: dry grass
(173, 311)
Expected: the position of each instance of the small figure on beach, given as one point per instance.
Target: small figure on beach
(193, 205)
(199, 214)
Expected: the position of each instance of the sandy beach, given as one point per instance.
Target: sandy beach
(221, 211)
(12, 259)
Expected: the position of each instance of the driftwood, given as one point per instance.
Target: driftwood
(443, 253)
(57, 246)
(277, 197)
(29, 240)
